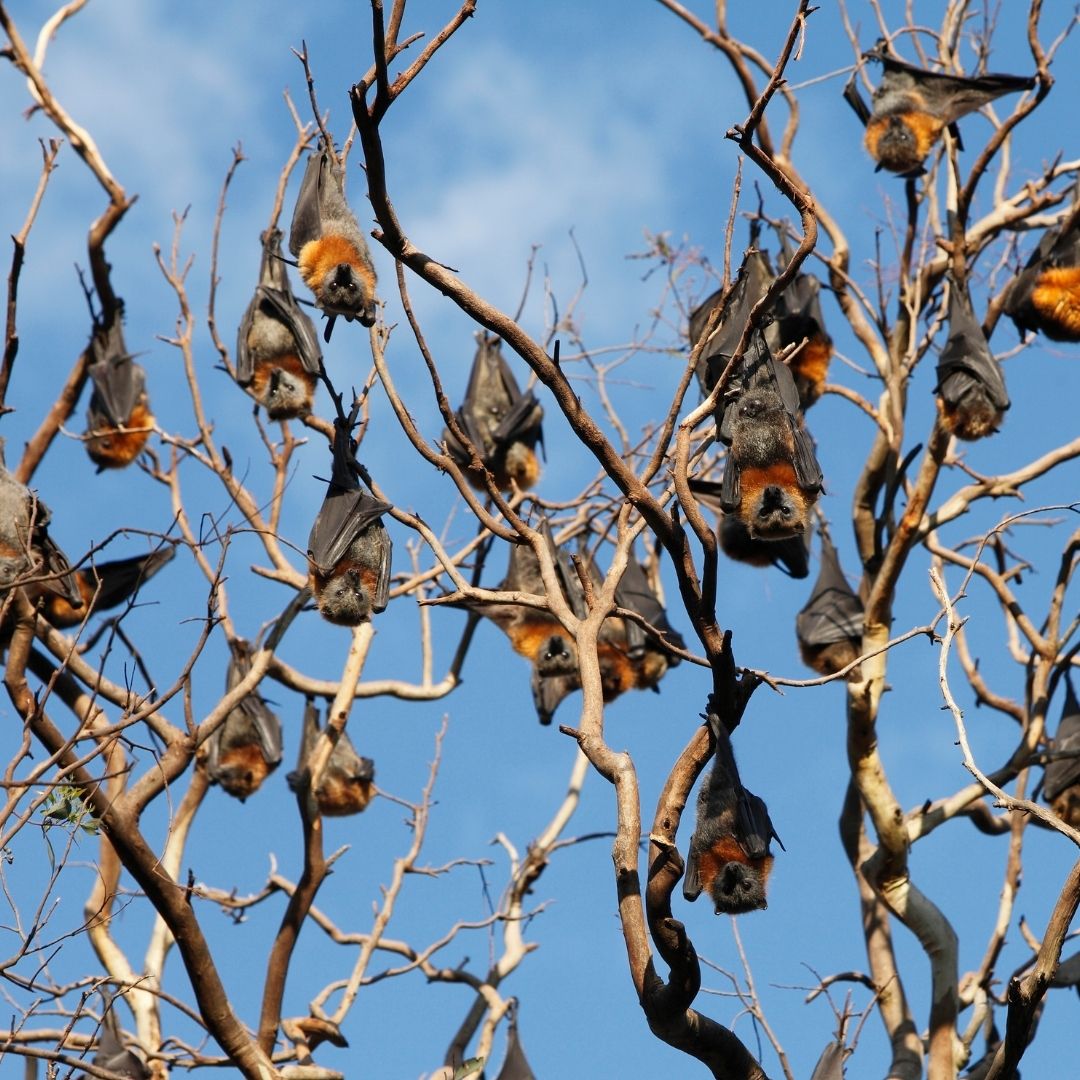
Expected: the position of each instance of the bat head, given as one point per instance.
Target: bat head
(345, 596)
(285, 393)
(556, 655)
(896, 143)
(971, 415)
(241, 771)
(777, 512)
(339, 794)
(340, 277)
(740, 887)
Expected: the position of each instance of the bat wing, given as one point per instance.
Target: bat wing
(245, 362)
(853, 96)
(1063, 772)
(755, 827)
(344, 515)
(966, 360)
(731, 486)
(119, 385)
(515, 1065)
(692, 884)
(283, 307)
(122, 577)
(830, 1065)
(523, 571)
(807, 470)
(522, 422)
(263, 719)
(636, 594)
(55, 562)
(833, 612)
(307, 222)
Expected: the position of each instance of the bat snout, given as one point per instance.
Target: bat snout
(556, 657)
(777, 517)
(737, 889)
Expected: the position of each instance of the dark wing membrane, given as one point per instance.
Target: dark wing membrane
(523, 571)
(122, 577)
(343, 516)
(830, 1065)
(807, 470)
(853, 96)
(282, 304)
(731, 486)
(385, 549)
(55, 562)
(966, 358)
(635, 594)
(119, 383)
(692, 886)
(522, 422)
(1063, 772)
(245, 363)
(307, 216)
(833, 612)
(754, 825)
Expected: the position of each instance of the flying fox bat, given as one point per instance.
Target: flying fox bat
(789, 555)
(729, 855)
(972, 398)
(111, 1052)
(1061, 781)
(515, 1065)
(799, 319)
(349, 548)
(771, 476)
(247, 747)
(503, 423)
(118, 420)
(348, 780)
(277, 348)
(1045, 296)
(912, 107)
(105, 586)
(26, 549)
(829, 627)
(330, 249)
(648, 661)
(830, 1065)
(751, 283)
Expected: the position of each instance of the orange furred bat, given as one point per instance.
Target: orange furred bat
(105, 586)
(829, 628)
(913, 106)
(730, 856)
(347, 783)
(247, 746)
(971, 394)
(331, 251)
(277, 348)
(1045, 296)
(349, 549)
(28, 556)
(501, 422)
(118, 420)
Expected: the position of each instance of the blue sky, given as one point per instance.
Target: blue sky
(537, 119)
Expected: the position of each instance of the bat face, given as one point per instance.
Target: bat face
(347, 783)
(105, 586)
(503, 424)
(26, 550)
(349, 549)
(331, 251)
(729, 854)
(277, 349)
(247, 746)
(972, 397)
(901, 141)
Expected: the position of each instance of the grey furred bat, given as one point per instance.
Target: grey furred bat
(1061, 780)
(730, 855)
(829, 628)
(277, 347)
(246, 748)
(347, 783)
(972, 398)
(913, 106)
(331, 251)
(349, 549)
(503, 423)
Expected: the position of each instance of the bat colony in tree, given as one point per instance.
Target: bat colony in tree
(761, 353)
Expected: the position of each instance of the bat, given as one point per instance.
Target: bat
(1061, 780)
(118, 420)
(515, 1065)
(502, 423)
(971, 394)
(246, 748)
(277, 349)
(347, 783)
(111, 1053)
(754, 277)
(730, 856)
(789, 555)
(1045, 295)
(105, 586)
(331, 252)
(349, 548)
(648, 660)
(799, 319)
(771, 475)
(829, 628)
(911, 107)
(830, 1065)
(26, 549)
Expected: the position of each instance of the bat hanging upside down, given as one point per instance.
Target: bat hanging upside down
(347, 783)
